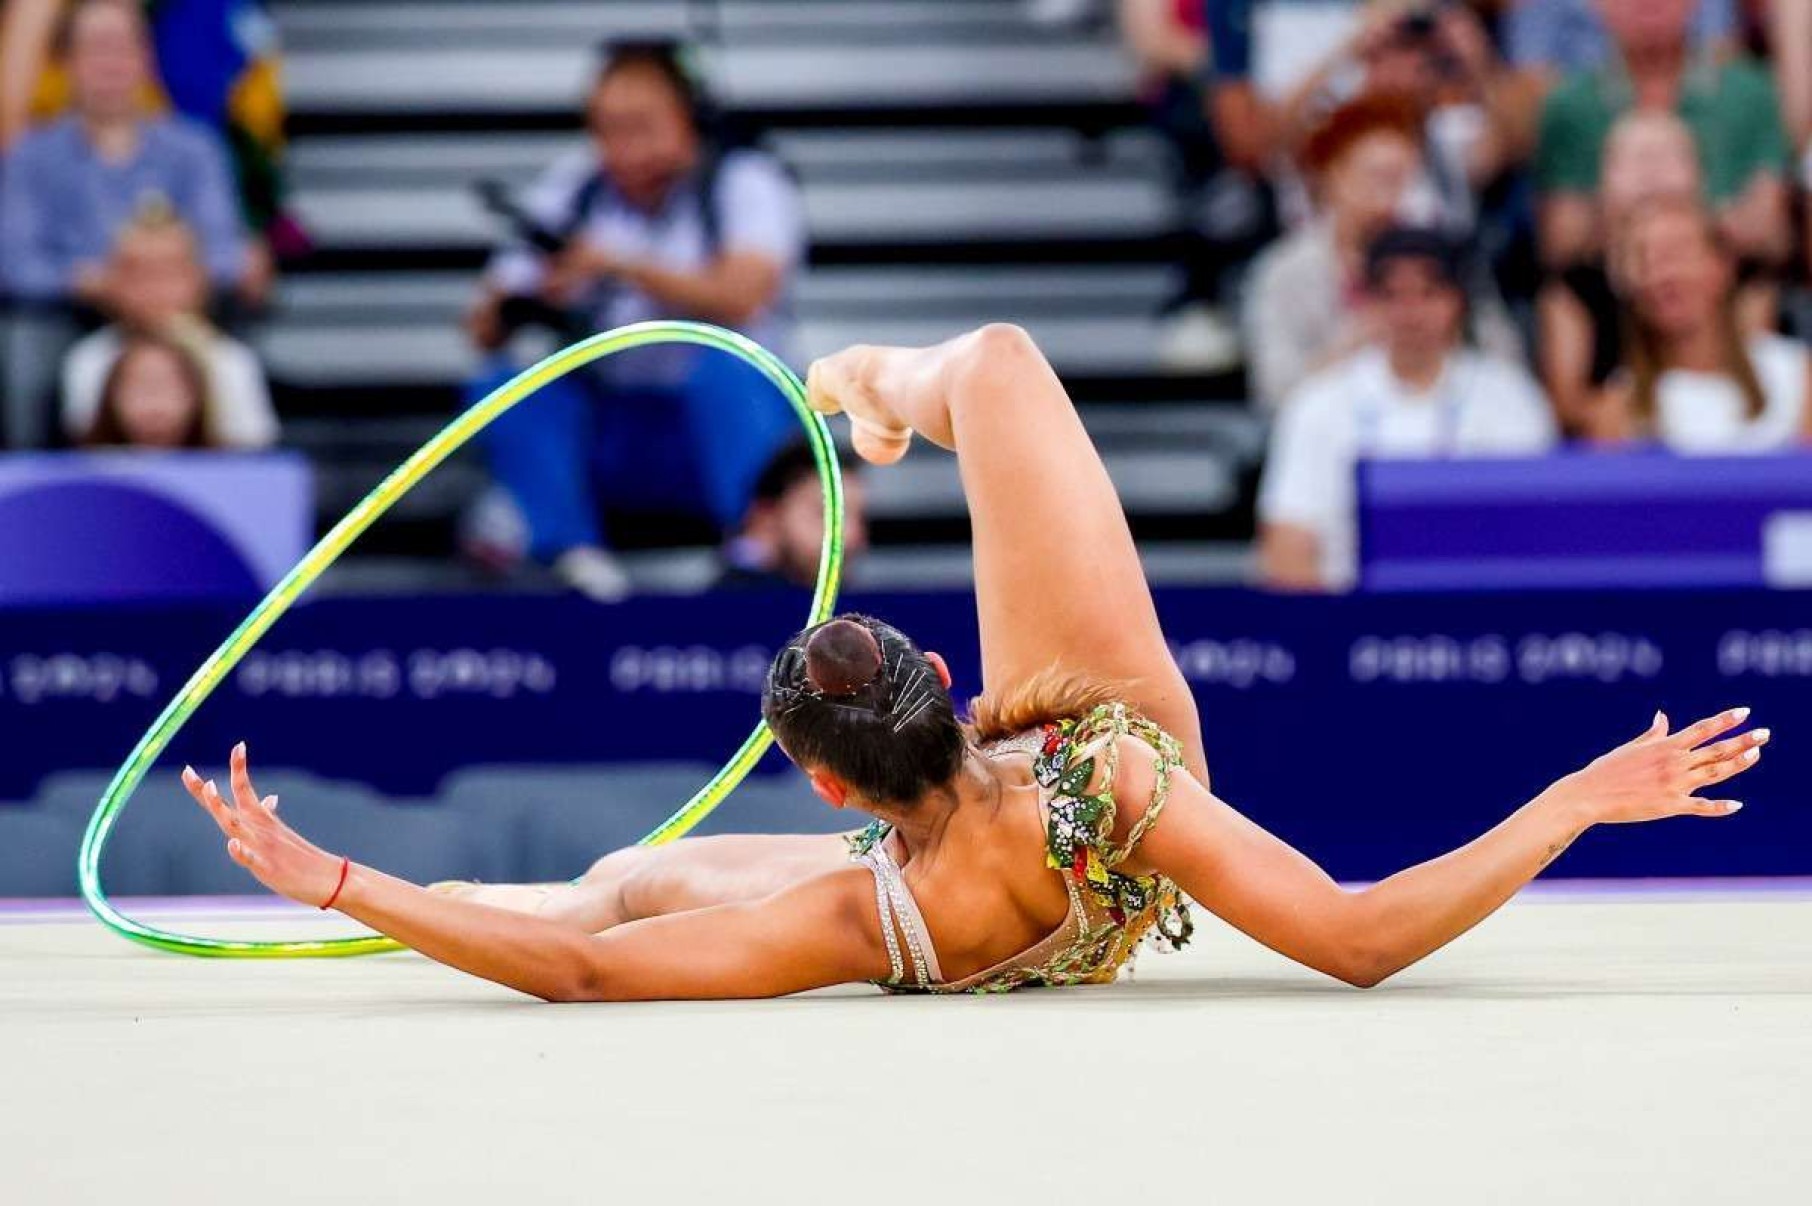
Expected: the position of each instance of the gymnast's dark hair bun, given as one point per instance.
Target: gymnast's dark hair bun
(842, 657)
(855, 697)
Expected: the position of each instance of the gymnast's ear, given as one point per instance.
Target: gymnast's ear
(829, 788)
(942, 667)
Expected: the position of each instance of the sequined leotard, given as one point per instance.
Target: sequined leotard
(1110, 912)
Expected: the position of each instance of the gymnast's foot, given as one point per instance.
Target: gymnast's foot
(517, 898)
(889, 394)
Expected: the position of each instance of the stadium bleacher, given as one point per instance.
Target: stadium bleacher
(930, 136)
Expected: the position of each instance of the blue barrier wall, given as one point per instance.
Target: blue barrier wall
(1372, 732)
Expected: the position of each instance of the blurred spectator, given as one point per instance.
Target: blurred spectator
(217, 62)
(221, 66)
(1805, 184)
(1781, 33)
(1556, 38)
(27, 29)
(1440, 59)
(655, 220)
(1731, 108)
(782, 534)
(1691, 378)
(1243, 121)
(1789, 31)
(1420, 393)
(160, 290)
(1648, 154)
(155, 397)
(1227, 206)
(70, 186)
(1303, 310)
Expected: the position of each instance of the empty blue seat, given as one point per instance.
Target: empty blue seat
(37, 852)
(562, 818)
(782, 803)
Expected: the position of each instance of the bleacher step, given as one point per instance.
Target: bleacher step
(477, 78)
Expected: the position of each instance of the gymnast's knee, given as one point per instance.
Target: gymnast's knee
(652, 888)
(994, 361)
(618, 864)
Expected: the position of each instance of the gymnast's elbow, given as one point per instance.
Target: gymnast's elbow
(580, 977)
(1367, 965)
(1360, 962)
(1361, 975)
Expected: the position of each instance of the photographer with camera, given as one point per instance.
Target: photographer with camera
(656, 219)
(1438, 55)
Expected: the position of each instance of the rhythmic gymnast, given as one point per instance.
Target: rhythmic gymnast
(1036, 844)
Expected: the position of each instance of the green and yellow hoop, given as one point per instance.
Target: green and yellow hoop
(453, 437)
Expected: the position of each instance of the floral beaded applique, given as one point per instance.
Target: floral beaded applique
(1079, 833)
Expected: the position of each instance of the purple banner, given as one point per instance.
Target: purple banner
(121, 527)
(1586, 520)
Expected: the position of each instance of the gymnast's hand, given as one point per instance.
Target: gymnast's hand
(273, 852)
(1657, 774)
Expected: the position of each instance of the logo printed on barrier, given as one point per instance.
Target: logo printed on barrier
(1429, 659)
(423, 674)
(1239, 663)
(1769, 653)
(1606, 657)
(79, 677)
(690, 669)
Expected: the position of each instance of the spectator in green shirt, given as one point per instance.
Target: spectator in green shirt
(1730, 107)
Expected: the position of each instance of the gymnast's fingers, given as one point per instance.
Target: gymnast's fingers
(236, 818)
(1712, 726)
(1692, 806)
(241, 776)
(223, 816)
(1732, 748)
(1729, 768)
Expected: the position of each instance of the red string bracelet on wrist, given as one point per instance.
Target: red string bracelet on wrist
(345, 866)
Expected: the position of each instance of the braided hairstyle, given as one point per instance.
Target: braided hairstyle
(855, 697)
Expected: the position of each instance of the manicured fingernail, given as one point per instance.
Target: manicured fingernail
(240, 749)
(212, 790)
(188, 772)
(1735, 806)
(1759, 736)
(1741, 714)
(1751, 754)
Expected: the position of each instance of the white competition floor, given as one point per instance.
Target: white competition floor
(1592, 1043)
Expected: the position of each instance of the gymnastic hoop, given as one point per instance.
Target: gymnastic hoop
(403, 479)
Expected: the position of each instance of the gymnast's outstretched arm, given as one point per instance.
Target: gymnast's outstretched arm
(1263, 887)
(822, 932)
(1058, 580)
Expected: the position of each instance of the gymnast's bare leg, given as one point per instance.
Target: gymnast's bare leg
(650, 881)
(1055, 569)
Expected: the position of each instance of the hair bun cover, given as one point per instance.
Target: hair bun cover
(842, 657)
